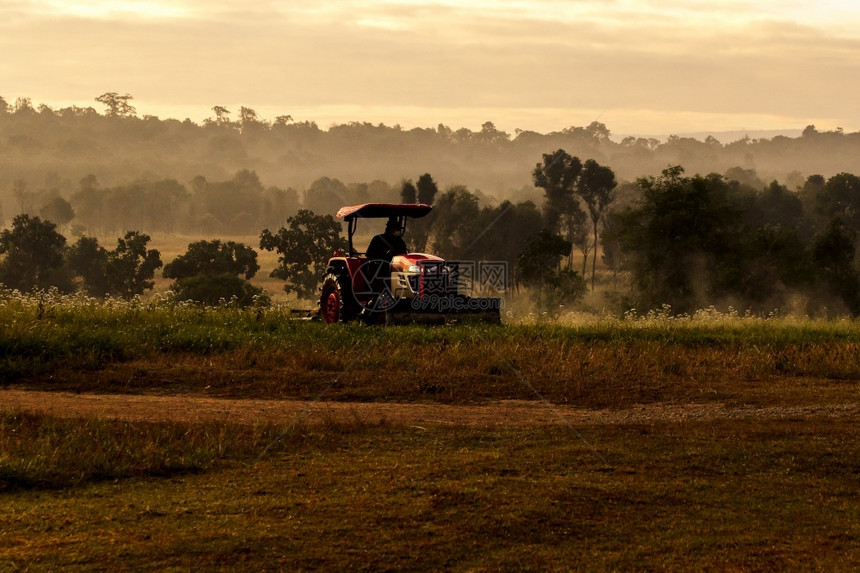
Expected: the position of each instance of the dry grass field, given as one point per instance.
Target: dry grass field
(748, 494)
(707, 442)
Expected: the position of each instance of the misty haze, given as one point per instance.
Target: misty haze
(105, 173)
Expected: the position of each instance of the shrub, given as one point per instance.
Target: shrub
(217, 289)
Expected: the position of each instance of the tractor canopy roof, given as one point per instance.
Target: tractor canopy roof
(383, 211)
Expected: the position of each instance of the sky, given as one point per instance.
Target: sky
(638, 66)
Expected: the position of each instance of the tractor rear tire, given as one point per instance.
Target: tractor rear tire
(334, 300)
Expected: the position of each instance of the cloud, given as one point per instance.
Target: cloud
(108, 10)
(695, 59)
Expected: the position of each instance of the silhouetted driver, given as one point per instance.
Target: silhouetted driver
(385, 246)
(381, 250)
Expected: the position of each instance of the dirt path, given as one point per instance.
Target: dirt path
(501, 413)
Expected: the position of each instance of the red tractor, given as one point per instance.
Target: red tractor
(398, 287)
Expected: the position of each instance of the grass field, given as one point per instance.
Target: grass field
(74, 343)
(740, 494)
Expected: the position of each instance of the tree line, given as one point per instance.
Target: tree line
(34, 256)
(693, 241)
(685, 241)
(240, 205)
(53, 149)
(673, 239)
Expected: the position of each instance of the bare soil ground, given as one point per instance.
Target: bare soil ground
(504, 413)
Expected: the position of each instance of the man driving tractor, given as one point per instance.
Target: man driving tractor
(390, 285)
(388, 244)
(382, 249)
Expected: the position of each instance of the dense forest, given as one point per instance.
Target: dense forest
(754, 224)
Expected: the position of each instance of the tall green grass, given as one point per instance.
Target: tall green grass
(47, 332)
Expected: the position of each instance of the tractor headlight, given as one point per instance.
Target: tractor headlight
(413, 269)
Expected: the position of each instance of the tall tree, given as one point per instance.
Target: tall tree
(456, 224)
(840, 197)
(326, 196)
(538, 268)
(22, 195)
(57, 210)
(247, 116)
(557, 176)
(408, 193)
(833, 255)
(427, 189)
(89, 260)
(234, 205)
(131, 266)
(576, 229)
(419, 229)
(747, 177)
(33, 255)
(278, 205)
(213, 258)
(88, 203)
(596, 186)
(304, 248)
(776, 205)
(612, 255)
(681, 240)
(117, 105)
(222, 116)
(810, 191)
(490, 134)
(167, 201)
(209, 272)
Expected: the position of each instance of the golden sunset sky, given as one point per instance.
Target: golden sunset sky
(640, 67)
